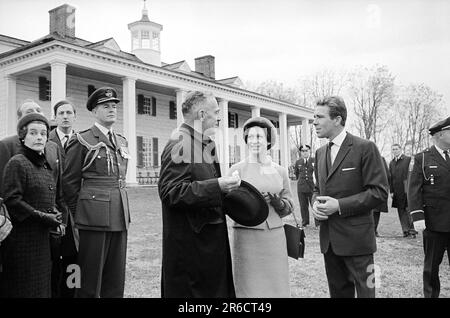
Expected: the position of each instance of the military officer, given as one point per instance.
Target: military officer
(304, 169)
(429, 203)
(94, 187)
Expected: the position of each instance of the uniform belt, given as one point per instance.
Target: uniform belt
(105, 183)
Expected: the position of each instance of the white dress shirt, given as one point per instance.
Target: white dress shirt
(337, 142)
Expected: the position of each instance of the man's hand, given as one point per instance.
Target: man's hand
(317, 214)
(327, 205)
(419, 225)
(228, 184)
(62, 227)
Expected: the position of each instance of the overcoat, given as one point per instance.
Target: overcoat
(398, 171)
(196, 259)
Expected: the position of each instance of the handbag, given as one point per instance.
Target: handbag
(295, 239)
(5, 223)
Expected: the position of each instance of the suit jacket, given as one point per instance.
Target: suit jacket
(53, 136)
(97, 197)
(304, 173)
(196, 259)
(429, 190)
(359, 182)
(383, 207)
(11, 146)
(397, 181)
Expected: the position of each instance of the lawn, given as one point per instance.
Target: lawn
(399, 259)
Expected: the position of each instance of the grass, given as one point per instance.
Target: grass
(400, 260)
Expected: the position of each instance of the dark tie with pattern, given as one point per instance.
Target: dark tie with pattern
(66, 141)
(329, 157)
(111, 139)
(447, 157)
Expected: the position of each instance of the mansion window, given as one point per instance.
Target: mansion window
(135, 40)
(145, 38)
(146, 105)
(147, 150)
(233, 120)
(45, 88)
(155, 41)
(172, 110)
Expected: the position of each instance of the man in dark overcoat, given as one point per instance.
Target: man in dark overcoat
(351, 181)
(398, 172)
(64, 248)
(95, 191)
(429, 203)
(304, 170)
(196, 259)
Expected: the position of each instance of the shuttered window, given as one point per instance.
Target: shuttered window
(44, 89)
(140, 151)
(172, 110)
(155, 152)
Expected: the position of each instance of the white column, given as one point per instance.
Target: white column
(11, 106)
(224, 141)
(288, 145)
(282, 117)
(256, 111)
(306, 132)
(58, 80)
(129, 125)
(181, 95)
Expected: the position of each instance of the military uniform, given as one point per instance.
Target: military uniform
(305, 186)
(429, 200)
(95, 190)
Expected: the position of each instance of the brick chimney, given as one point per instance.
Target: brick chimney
(206, 66)
(62, 21)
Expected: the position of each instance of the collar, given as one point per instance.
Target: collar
(196, 134)
(61, 135)
(38, 159)
(399, 157)
(103, 129)
(441, 151)
(339, 139)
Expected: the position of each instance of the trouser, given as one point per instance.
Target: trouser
(347, 273)
(304, 199)
(406, 222)
(102, 260)
(434, 246)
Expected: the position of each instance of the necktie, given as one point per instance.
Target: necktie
(329, 157)
(66, 141)
(447, 157)
(111, 139)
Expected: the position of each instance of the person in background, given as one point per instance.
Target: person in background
(429, 203)
(398, 171)
(64, 248)
(304, 171)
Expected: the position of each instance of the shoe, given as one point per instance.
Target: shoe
(413, 236)
(405, 234)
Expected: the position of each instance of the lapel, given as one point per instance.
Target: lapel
(439, 158)
(342, 153)
(101, 136)
(53, 136)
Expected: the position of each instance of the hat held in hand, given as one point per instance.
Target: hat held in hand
(246, 205)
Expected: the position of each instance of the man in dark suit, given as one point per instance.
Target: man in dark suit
(382, 208)
(304, 169)
(64, 248)
(429, 203)
(11, 145)
(95, 190)
(196, 260)
(350, 182)
(398, 171)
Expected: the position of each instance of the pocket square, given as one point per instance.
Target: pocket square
(348, 169)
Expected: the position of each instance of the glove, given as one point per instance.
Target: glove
(50, 219)
(276, 202)
(419, 225)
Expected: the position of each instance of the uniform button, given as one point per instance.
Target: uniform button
(118, 163)
(93, 197)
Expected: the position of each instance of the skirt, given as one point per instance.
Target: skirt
(260, 263)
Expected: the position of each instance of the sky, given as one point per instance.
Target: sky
(261, 40)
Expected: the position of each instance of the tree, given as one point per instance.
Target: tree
(417, 109)
(371, 91)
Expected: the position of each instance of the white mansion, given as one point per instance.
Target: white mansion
(62, 66)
